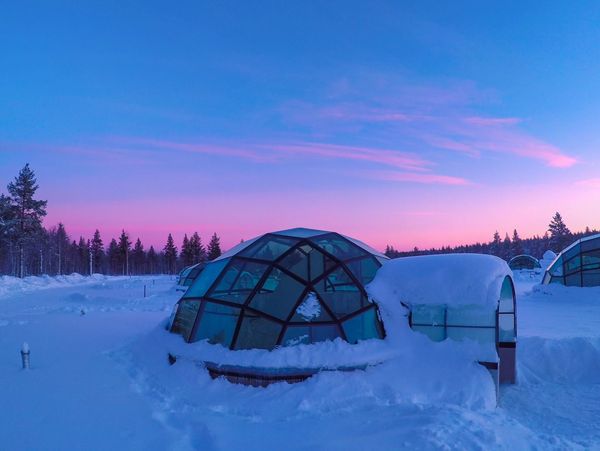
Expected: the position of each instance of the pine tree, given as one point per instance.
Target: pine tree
(516, 244)
(214, 247)
(187, 253)
(496, 244)
(560, 235)
(62, 248)
(505, 252)
(139, 257)
(97, 251)
(152, 261)
(170, 254)
(198, 251)
(124, 248)
(28, 212)
(83, 254)
(113, 255)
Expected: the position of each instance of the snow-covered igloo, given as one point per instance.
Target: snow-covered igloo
(457, 297)
(520, 262)
(283, 288)
(577, 265)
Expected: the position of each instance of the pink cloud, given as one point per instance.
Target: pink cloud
(486, 121)
(430, 178)
(589, 183)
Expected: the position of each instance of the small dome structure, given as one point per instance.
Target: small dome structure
(578, 265)
(521, 262)
(281, 289)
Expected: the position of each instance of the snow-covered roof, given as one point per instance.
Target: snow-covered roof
(450, 279)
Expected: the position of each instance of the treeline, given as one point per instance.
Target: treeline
(557, 237)
(27, 248)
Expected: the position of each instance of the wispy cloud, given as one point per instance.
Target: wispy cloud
(427, 178)
(589, 183)
(437, 117)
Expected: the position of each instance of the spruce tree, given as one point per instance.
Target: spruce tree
(187, 253)
(27, 212)
(97, 251)
(113, 256)
(152, 261)
(197, 249)
(496, 245)
(516, 244)
(124, 248)
(560, 235)
(62, 248)
(83, 254)
(139, 257)
(170, 254)
(214, 247)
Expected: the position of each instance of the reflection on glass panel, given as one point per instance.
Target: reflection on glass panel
(506, 327)
(575, 250)
(278, 295)
(364, 269)
(362, 327)
(297, 263)
(257, 332)
(588, 245)
(311, 310)
(428, 314)
(217, 323)
(185, 318)
(318, 263)
(339, 247)
(573, 265)
(340, 294)
(434, 333)
(238, 281)
(507, 303)
(309, 334)
(269, 248)
(591, 260)
(471, 316)
(481, 335)
(557, 268)
(207, 277)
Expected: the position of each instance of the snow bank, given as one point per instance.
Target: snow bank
(547, 259)
(13, 285)
(451, 279)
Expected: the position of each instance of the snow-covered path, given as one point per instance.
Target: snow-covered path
(99, 380)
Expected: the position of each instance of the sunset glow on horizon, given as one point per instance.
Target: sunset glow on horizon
(404, 125)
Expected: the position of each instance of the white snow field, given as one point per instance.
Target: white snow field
(100, 379)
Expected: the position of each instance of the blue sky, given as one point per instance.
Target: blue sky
(382, 120)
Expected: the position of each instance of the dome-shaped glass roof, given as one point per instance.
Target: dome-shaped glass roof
(283, 288)
(577, 265)
(524, 262)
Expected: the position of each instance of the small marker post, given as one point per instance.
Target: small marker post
(144, 290)
(25, 355)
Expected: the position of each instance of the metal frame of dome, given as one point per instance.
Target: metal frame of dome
(254, 296)
(523, 261)
(577, 265)
(188, 274)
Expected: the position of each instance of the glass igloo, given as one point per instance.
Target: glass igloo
(283, 288)
(578, 265)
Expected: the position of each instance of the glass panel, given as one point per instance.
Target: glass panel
(591, 260)
(428, 315)
(507, 300)
(185, 318)
(217, 323)
(506, 330)
(257, 332)
(591, 278)
(364, 269)
(269, 248)
(238, 281)
(278, 295)
(575, 250)
(300, 232)
(362, 327)
(340, 294)
(339, 247)
(573, 280)
(557, 268)
(480, 335)
(201, 284)
(319, 263)
(471, 316)
(588, 245)
(297, 262)
(311, 310)
(573, 265)
(434, 333)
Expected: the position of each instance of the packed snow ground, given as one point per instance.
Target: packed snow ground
(99, 379)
